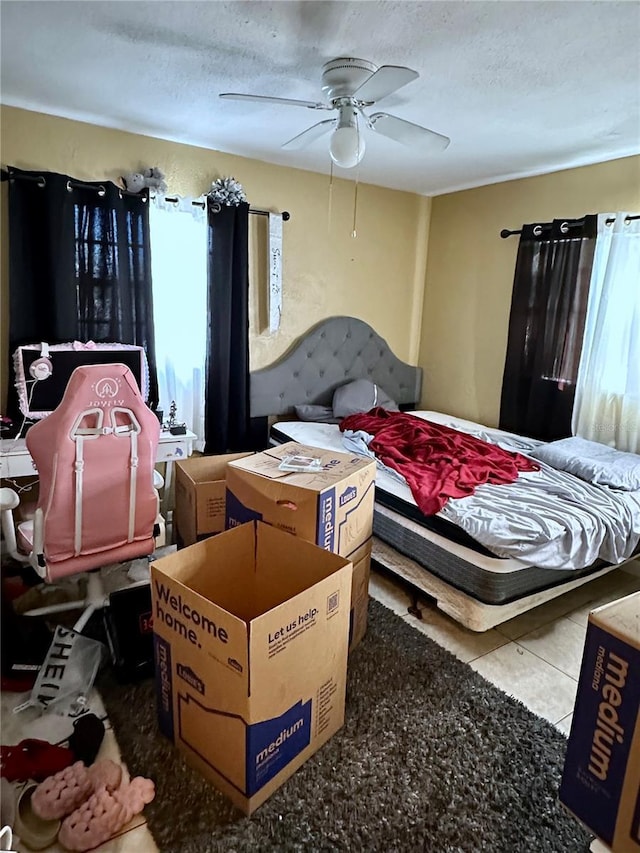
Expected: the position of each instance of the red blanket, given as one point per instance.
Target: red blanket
(437, 462)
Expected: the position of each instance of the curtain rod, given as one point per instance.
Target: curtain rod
(40, 179)
(73, 185)
(217, 207)
(257, 211)
(506, 233)
(286, 216)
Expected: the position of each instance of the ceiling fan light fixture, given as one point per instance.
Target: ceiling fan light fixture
(351, 86)
(346, 147)
(347, 143)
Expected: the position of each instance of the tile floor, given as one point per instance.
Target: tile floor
(534, 657)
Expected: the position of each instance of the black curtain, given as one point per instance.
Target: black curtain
(546, 327)
(227, 419)
(79, 265)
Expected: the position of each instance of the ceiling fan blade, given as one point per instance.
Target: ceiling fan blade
(384, 81)
(407, 132)
(266, 99)
(309, 135)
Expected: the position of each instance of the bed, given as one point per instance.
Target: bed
(437, 557)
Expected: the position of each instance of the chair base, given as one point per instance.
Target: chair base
(96, 598)
(31, 541)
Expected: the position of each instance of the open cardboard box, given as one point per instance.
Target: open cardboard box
(251, 634)
(200, 495)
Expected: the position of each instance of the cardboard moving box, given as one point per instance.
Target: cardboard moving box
(361, 560)
(251, 633)
(200, 487)
(332, 506)
(601, 778)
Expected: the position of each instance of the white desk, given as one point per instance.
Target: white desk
(15, 460)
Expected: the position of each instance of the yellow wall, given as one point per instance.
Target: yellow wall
(455, 325)
(379, 276)
(470, 275)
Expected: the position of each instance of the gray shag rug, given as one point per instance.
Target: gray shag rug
(431, 758)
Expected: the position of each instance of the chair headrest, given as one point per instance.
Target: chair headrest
(102, 386)
(111, 390)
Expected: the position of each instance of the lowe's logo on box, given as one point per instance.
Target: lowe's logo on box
(188, 675)
(348, 495)
(272, 744)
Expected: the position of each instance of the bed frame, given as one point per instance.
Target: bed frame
(338, 350)
(333, 352)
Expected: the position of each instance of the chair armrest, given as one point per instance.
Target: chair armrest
(9, 501)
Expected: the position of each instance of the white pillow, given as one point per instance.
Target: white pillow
(360, 396)
(591, 461)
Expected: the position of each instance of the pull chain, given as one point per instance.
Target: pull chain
(330, 196)
(354, 232)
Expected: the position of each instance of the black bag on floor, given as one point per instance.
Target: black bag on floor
(129, 632)
(25, 643)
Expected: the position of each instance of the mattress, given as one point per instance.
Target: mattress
(436, 543)
(326, 436)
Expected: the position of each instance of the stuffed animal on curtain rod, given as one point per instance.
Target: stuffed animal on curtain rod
(151, 178)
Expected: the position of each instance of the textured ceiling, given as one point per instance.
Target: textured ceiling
(520, 87)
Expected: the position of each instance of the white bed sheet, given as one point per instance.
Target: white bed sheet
(547, 518)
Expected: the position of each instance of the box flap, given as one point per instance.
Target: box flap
(287, 566)
(335, 466)
(219, 569)
(621, 617)
(204, 469)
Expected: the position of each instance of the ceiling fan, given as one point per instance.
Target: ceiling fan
(351, 86)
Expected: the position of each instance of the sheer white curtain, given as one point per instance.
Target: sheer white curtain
(179, 274)
(607, 401)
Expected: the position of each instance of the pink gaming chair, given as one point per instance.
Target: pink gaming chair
(95, 456)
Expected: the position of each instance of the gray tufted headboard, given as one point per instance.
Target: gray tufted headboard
(335, 351)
